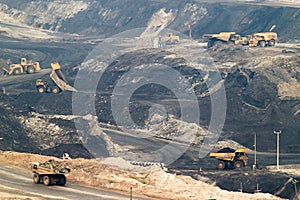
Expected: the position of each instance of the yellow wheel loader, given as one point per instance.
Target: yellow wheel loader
(58, 79)
(170, 39)
(49, 173)
(24, 67)
(230, 158)
(263, 39)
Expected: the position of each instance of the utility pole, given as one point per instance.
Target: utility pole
(257, 190)
(294, 181)
(277, 133)
(130, 193)
(254, 166)
(241, 187)
(190, 32)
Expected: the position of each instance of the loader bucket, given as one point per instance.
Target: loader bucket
(55, 65)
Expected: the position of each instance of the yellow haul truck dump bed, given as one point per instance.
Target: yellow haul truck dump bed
(58, 79)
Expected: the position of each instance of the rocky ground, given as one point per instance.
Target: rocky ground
(262, 89)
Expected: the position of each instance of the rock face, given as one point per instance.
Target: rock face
(261, 84)
(109, 17)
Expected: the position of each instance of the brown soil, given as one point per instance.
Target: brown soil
(151, 182)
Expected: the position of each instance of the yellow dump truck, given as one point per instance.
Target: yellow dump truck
(222, 37)
(230, 158)
(23, 67)
(49, 173)
(58, 79)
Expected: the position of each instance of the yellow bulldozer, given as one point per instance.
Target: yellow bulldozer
(23, 67)
(230, 158)
(58, 79)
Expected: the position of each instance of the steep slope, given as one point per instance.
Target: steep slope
(257, 103)
(104, 18)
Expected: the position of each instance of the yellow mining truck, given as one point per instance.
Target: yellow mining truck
(23, 67)
(49, 173)
(263, 39)
(58, 79)
(257, 39)
(230, 158)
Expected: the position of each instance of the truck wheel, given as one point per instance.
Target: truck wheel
(30, 70)
(221, 165)
(41, 89)
(238, 164)
(62, 180)
(36, 178)
(262, 43)
(46, 180)
(17, 71)
(55, 90)
(272, 43)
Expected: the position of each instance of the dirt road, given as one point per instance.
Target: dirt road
(19, 183)
(17, 79)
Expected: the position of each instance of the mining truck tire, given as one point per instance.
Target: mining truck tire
(41, 89)
(55, 90)
(262, 43)
(17, 71)
(221, 165)
(238, 164)
(47, 180)
(271, 43)
(62, 180)
(30, 70)
(36, 178)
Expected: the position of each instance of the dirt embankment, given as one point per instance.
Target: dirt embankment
(110, 17)
(117, 174)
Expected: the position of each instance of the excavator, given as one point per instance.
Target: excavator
(230, 158)
(23, 67)
(58, 79)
